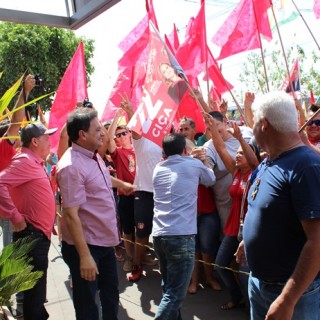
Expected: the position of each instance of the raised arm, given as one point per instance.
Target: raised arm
(247, 150)
(223, 107)
(198, 96)
(128, 108)
(63, 141)
(17, 117)
(247, 104)
(219, 144)
(112, 130)
(301, 113)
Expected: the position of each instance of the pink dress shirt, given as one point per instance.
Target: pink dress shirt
(26, 191)
(83, 184)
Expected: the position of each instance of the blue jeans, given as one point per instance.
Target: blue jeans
(34, 299)
(208, 237)
(176, 259)
(84, 292)
(225, 255)
(7, 231)
(262, 295)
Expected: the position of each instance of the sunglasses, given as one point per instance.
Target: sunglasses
(124, 133)
(316, 122)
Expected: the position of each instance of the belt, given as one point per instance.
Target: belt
(274, 283)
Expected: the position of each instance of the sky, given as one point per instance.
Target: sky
(110, 27)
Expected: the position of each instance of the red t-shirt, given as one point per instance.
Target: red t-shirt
(125, 163)
(316, 142)
(206, 204)
(236, 192)
(7, 151)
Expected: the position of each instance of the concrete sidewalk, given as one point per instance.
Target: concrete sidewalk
(138, 301)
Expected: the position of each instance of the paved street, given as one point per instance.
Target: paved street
(138, 301)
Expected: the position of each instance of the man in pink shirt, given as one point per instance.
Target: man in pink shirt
(8, 145)
(89, 223)
(28, 201)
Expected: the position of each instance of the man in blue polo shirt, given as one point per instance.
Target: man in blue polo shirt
(282, 227)
(175, 183)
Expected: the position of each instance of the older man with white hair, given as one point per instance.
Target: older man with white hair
(282, 227)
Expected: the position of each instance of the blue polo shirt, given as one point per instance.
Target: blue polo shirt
(175, 192)
(287, 191)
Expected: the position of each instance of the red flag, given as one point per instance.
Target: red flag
(189, 108)
(294, 79)
(192, 53)
(135, 45)
(134, 35)
(215, 74)
(312, 99)
(122, 86)
(215, 95)
(72, 88)
(136, 42)
(240, 32)
(129, 82)
(162, 93)
(151, 13)
(316, 8)
(174, 39)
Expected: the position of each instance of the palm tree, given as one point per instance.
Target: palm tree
(15, 270)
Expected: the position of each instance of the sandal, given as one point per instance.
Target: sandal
(193, 288)
(214, 285)
(119, 255)
(231, 305)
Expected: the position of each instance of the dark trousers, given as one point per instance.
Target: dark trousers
(84, 292)
(34, 299)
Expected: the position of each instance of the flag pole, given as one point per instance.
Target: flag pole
(282, 48)
(303, 19)
(193, 94)
(262, 55)
(206, 50)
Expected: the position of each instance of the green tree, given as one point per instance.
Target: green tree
(45, 51)
(253, 76)
(16, 272)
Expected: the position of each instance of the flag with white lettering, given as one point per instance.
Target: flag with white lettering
(163, 89)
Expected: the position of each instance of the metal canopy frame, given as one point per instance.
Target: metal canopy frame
(78, 13)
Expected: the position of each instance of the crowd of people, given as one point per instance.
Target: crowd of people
(240, 198)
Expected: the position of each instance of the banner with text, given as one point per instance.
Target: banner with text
(163, 90)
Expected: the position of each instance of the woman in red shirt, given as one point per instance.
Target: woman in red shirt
(241, 167)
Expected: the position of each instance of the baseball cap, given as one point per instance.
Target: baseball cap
(35, 130)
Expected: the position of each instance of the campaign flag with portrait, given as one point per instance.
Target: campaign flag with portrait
(163, 89)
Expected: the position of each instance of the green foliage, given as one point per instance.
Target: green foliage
(41, 50)
(7, 97)
(15, 270)
(253, 75)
